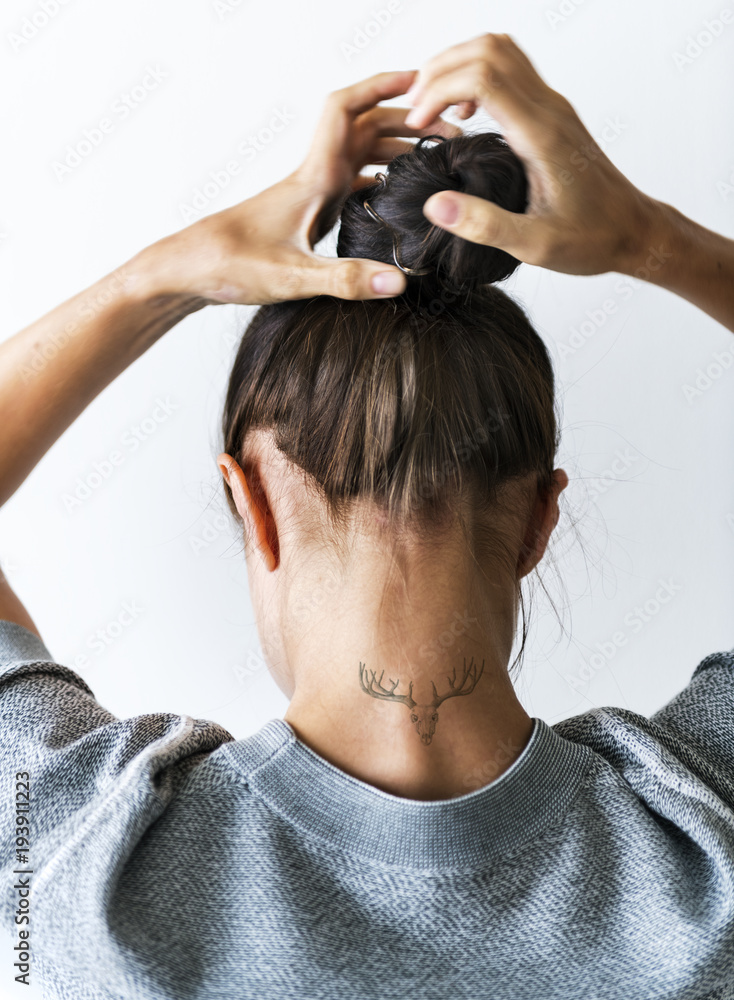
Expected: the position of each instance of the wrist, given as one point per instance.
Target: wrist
(159, 274)
(689, 260)
(137, 294)
(677, 250)
(653, 244)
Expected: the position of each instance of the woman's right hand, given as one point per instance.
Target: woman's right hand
(584, 216)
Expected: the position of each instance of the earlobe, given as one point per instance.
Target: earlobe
(560, 481)
(251, 502)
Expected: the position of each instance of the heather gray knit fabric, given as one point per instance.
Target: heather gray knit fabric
(170, 861)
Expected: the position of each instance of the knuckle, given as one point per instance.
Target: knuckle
(560, 105)
(349, 280)
(480, 225)
(559, 124)
(492, 42)
(487, 80)
(429, 69)
(290, 282)
(374, 118)
(336, 98)
(481, 76)
(495, 46)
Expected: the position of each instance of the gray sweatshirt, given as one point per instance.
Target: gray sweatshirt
(158, 857)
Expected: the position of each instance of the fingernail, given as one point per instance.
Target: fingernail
(444, 210)
(388, 283)
(412, 118)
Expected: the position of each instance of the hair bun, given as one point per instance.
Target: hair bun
(482, 165)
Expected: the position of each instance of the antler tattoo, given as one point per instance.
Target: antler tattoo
(423, 716)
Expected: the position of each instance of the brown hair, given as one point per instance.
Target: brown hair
(424, 403)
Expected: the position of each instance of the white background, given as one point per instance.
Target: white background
(153, 535)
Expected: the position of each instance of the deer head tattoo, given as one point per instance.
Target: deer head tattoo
(424, 716)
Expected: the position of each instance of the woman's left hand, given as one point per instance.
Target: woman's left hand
(262, 249)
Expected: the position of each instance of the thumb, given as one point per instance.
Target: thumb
(350, 278)
(480, 221)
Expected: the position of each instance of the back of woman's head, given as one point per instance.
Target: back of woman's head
(425, 404)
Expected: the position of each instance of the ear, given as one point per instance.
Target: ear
(542, 522)
(251, 500)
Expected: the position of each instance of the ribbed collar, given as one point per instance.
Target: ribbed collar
(327, 804)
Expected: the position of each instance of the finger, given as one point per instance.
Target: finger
(505, 101)
(455, 57)
(481, 221)
(521, 59)
(348, 278)
(499, 50)
(383, 151)
(362, 96)
(391, 121)
(343, 106)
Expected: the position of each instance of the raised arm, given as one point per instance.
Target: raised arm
(584, 216)
(258, 251)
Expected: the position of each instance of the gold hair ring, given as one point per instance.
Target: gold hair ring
(395, 238)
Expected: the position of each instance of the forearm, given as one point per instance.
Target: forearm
(256, 252)
(53, 369)
(691, 261)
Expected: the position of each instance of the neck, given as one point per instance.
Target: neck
(405, 687)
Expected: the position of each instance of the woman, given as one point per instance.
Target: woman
(407, 828)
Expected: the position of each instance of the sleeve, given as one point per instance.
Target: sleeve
(73, 750)
(700, 723)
